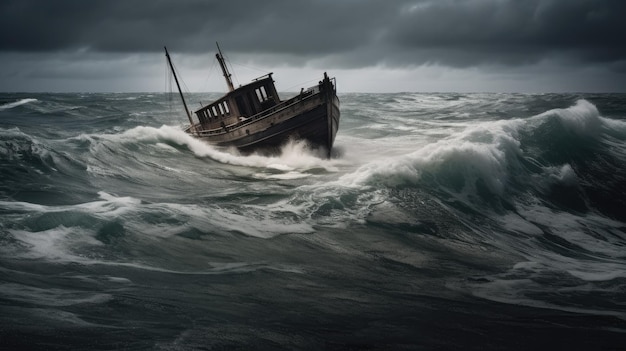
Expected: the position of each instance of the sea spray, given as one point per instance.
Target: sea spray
(436, 212)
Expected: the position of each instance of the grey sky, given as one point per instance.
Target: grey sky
(369, 45)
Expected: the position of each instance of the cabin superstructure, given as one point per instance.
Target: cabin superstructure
(253, 117)
(240, 103)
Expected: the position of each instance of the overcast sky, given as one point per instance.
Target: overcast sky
(368, 45)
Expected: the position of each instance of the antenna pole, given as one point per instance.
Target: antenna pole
(169, 61)
(220, 59)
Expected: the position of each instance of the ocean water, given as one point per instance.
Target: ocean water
(442, 221)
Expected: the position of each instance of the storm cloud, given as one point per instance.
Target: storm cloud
(347, 34)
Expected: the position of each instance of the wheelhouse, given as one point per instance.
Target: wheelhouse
(241, 103)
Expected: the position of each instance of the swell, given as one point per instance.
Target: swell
(39, 170)
(548, 190)
(537, 197)
(571, 157)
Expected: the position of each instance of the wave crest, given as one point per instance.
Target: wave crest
(295, 155)
(583, 118)
(11, 105)
(480, 154)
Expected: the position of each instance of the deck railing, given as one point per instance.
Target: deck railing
(304, 96)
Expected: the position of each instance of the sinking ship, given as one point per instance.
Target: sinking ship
(252, 117)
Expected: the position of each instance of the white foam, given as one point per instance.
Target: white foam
(282, 176)
(55, 244)
(264, 223)
(515, 223)
(604, 273)
(479, 151)
(50, 296)
(110, 206)
(526, 282)
(16, 206)
(583, 118)
(16, 103)
(119, 280)
(166, 147)
(562, 175)
(25, 144)
(593, 233)
(615, 125)
(294, 155)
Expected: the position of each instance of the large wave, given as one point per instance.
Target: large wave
(507, 157)
(293, 155)
(523, 209)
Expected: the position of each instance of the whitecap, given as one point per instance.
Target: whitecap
(282, 176)
(481, 151)
(583, 118)
(16, 103)
(293, 155)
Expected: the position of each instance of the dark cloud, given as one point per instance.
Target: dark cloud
(359, 33)
(513, 32)
(192, 26)
(78, 44)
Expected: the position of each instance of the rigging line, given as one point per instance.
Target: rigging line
(249, 67)
(171, 77)
(206, 81)
(168, 86)
(180, 78)
(233, 72)
(286, 90)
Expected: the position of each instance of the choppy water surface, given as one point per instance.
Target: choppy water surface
(484, 221)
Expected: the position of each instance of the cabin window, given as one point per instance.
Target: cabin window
(214, 111)
(221, 108)
(261, 94)
(226, 109)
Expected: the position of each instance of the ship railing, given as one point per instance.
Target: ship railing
(306, 95)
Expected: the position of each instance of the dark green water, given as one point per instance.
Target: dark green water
(442, 221)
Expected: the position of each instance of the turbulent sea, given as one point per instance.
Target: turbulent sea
(442, 221)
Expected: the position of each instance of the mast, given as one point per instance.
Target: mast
(227, 74)
(169, 61)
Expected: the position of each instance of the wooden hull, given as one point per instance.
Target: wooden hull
(313, 117)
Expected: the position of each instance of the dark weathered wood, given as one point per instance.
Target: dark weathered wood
(169, 61)
(252, 117)
(227, 75)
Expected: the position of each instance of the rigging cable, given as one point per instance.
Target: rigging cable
(206, 80)
(169, 85)
(231, 64)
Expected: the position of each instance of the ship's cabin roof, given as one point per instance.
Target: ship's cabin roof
(244, 101)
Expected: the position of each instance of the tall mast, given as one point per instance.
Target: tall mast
(169, 61)
(227, 74)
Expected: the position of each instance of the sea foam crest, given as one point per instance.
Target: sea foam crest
(295, 155)
(583, 118)
(16, 145)
(11, 105)
(488, 151)
(481, 152)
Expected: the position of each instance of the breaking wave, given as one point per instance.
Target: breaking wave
(11, 105)
(458, 198)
